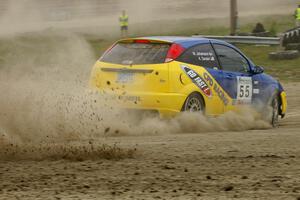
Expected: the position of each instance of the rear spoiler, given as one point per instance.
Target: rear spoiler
(143, 40)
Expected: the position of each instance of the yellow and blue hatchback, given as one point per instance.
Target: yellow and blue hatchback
(174, 74)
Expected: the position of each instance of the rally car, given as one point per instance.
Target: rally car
(174, 74)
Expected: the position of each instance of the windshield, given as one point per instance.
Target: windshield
(137, 53)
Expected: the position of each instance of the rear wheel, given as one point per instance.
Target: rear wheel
(194, 103)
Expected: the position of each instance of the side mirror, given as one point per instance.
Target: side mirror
(258, 70)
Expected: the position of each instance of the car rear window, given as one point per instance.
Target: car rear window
(137, 53)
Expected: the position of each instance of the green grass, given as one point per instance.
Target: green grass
(275, 23)
(286, 70)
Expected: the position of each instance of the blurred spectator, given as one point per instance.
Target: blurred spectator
(297, 16)
(123, 19)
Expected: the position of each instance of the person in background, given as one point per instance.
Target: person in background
(297, 16)
(124, 24)
(259, 28)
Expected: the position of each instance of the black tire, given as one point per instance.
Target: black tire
(284, 55)
(271, 111)
(194, 103)
(293, 46)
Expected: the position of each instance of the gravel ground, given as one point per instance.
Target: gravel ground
(253, 164)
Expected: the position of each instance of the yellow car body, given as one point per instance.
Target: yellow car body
(156, 89)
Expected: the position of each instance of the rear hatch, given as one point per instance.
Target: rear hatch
(133, 66)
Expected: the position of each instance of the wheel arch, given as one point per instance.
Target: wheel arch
(194, 92)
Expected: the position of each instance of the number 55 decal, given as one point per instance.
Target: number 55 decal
(244, 88)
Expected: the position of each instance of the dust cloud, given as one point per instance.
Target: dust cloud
(40, 74)
(45, 103)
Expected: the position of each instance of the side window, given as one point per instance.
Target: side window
(201, 55)
(230, 59)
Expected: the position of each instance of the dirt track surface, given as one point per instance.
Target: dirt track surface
(254, 164)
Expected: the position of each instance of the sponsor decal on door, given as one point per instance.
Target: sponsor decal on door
(197, 80)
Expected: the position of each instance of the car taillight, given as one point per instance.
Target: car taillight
(174, 52)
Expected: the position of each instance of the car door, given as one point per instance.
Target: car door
(237, 79)
(202, 60)
(203, 55)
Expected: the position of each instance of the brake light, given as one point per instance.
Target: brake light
(174, 52)
(142, 41)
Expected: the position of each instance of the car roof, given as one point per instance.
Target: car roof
(186, 42)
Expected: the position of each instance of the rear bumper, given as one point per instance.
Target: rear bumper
(167, 104)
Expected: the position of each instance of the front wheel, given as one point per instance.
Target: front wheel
(271, 111)
(275, 114)
(194, 103)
